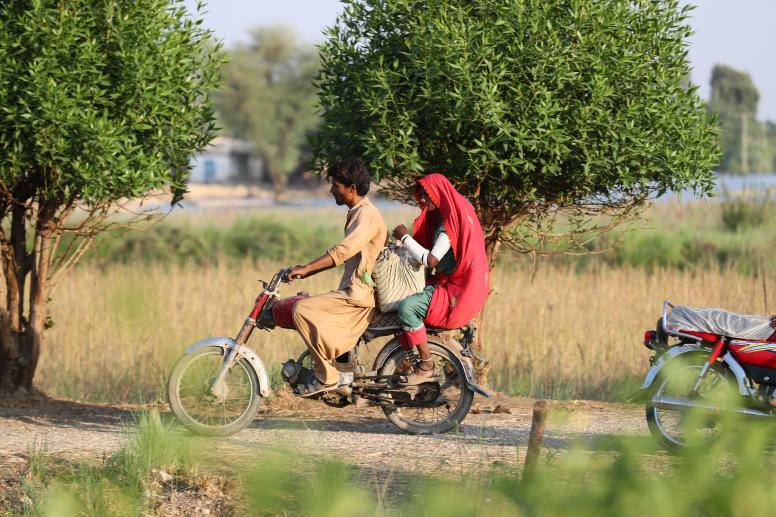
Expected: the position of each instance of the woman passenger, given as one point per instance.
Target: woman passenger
(448, 239)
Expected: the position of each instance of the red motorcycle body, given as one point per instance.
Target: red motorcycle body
(755, 355)
(758, 357)
(283, 311)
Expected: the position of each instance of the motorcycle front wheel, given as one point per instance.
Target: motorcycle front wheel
(210, 410)
(689, 429)
(448, 401)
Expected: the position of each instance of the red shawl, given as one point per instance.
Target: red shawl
(461, 295)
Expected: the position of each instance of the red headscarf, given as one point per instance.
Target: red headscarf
(461, 295)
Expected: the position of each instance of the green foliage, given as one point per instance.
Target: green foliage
(732, 232)
(740, 213)
(530, 107)
(268, 98)
(732, 89)
(770, 135)
(103, 100)
(55, 486)
(152, 445)
(326, 489)
(734, 99)
(100, 101)
(275, 238)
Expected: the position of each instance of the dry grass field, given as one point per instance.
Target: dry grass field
(560, 333)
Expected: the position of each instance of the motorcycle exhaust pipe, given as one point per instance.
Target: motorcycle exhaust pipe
(680, 404)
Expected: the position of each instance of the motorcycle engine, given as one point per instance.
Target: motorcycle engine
(292, 372)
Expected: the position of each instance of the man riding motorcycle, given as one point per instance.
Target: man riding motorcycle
(331, 323)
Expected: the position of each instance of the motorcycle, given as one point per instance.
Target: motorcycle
(700, 381)
(216, 387)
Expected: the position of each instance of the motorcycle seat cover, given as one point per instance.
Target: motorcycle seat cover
(720, 322)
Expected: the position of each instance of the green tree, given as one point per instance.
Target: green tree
(269, 99)
(770, 132)
(100, 101)
(545, 114)
(734, 99)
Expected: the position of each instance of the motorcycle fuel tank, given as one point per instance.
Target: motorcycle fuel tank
(283, 311)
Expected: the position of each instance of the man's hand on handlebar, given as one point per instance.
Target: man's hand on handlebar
(295, 273)
(316, 266)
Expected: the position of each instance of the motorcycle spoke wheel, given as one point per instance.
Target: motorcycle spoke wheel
(215, 410)
(688, 428)
(442, 405)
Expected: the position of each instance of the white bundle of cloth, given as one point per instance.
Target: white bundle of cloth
(397, 275)
(719, 321)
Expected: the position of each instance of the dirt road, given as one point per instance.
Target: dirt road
(494, 434)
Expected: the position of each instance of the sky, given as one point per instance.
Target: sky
(737, 33)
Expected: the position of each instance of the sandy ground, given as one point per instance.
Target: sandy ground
(493, 437)
(495, 432)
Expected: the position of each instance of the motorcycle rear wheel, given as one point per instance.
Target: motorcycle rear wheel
(689, 430)
(432, 419)
(230, 410)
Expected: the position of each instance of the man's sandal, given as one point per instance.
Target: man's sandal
(313, 386)
(412, 379)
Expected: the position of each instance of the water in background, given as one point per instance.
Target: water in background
(726, 184)
(755, 182)
(232, 204)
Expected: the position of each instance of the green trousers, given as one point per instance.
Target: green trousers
(413, 309)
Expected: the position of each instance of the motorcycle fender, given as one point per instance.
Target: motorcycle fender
(676, 351)
(449, 344)
(662, 360)
(228, 343)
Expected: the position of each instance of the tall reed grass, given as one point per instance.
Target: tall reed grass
(558, 333)
(572, 329)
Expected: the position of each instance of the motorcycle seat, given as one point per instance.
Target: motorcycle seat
(713, 338)
(387, 323)
(710, 324)
(706, 336)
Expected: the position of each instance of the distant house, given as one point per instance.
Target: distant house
(226, 160)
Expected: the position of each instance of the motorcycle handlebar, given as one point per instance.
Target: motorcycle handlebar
(280, 276)
(283, 274)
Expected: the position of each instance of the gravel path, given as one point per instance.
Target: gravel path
(494, 434)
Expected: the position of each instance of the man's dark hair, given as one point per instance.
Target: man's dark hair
(350, 171)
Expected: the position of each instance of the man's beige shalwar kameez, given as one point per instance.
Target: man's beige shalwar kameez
(331, 323)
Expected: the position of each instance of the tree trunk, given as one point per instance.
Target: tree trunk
(279, 185)
(277, 179)
(38, 292)
(21, 337)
